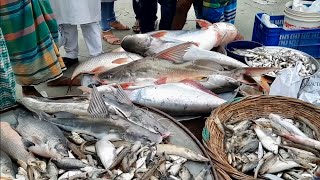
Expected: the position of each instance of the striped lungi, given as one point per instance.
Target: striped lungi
(31, 32)
(219, 10)
(7, 82)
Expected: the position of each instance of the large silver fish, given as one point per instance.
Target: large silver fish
(104, 62)
(11, 143)
(147, 45)
(6, 168)
(210, 36)
(177, 98)
(47, 139)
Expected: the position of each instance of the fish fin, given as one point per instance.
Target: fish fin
(175, 53)
(203, 23)
(122, 96)
(254, 73)
(161, 80)
(27, 143)
(98, 70)
(197, 85)
(36, 140)
(208, 64)
(120, 61)
(126, 85)
(85, 89)
(159, 34)
(97, 107)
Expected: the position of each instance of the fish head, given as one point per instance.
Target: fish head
(144, 136)
(61, 149)
(229, 32)
(138, 43)
(6, 172)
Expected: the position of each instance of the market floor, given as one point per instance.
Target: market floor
(246, 12)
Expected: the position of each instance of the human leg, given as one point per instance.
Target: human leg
(147, 21)
(92, 37)
(181, 14)
(168, 9)
(213, 11)
(230, 11)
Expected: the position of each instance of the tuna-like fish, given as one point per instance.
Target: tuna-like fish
(6, 168)
(76, 105)
(177, 98)
(104, 62)
(11, 143)
(47, 139)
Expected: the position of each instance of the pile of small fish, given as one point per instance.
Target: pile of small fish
(96, 159)
(91, 137)
(273, 147)
(281, 58)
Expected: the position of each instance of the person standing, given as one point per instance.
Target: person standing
(87, 14)
(108, 21)
(219, 10)
(149, 8)
(31, 33)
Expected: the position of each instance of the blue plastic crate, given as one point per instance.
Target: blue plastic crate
(307, 40)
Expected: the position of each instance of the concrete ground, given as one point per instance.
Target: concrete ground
(244, 21)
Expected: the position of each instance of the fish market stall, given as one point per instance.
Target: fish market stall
(181, 138)
(265, 137)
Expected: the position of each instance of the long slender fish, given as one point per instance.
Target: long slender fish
(104, 62)
(76, 106)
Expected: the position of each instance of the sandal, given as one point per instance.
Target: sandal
(136, 27)
(110, 38)
(118, 26)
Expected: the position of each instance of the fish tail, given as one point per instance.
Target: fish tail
(247, 75)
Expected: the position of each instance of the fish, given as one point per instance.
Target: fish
(171, 149)
(97, 129)
(104, 62)
(279, 166)
(52, 171)
(175, 168)
(106, 152)
(281, 58)
(46, 139)
(185, 174)
(310, 125)
(116, 98)
(177, 98)
(288, 126)
(78, 105)
(302, 140)
(267, 141)
(12, 144)
(126, 176)
(272, 177)
(210, 36)
(6, 168)
(202, 174)
(151, 71)
(67, 163)
(146, 45)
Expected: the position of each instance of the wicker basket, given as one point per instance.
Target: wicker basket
(246, 109)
